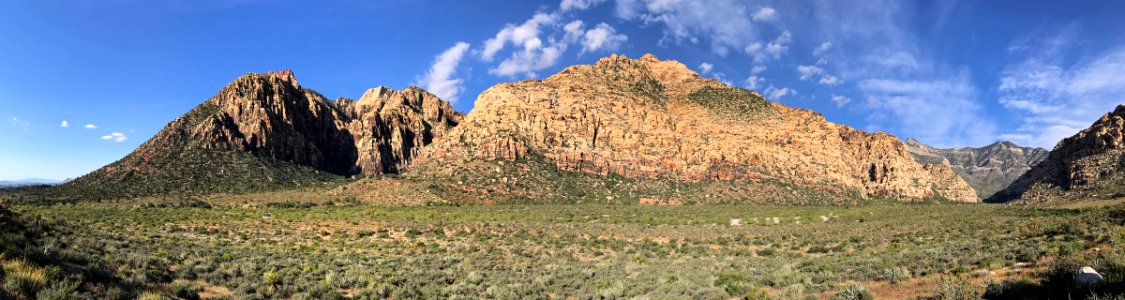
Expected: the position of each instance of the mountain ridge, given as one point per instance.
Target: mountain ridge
(987, 169)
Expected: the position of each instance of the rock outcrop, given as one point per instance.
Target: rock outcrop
(265, 130)
(656, 119)
(987, 169)
(390, 127)
(1087, 165)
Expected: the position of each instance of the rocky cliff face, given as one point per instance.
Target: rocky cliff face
(654, 119)
(264, 130)
(987, 169)
(390, 127)
(1087, 165)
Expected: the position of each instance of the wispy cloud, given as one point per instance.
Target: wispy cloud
(568, 5)
(819, 50)
(765, 14)
(754, 82)
(773, 50)
(116, 137)
(440, 78)
(17, 122)
(840, 101)
(705, 68)
(809, 72)
(899, 87)
(942, 110)
(723, 24)
(90, 126)
(1053, 99)
(776, 94)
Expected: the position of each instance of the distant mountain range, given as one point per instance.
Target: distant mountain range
(987, 169)
(29, 181)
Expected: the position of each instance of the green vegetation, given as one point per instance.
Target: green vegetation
(360, 251)
(731, 102)
(534, 180)
(631, 76)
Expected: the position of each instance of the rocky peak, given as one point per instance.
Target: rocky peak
(1104, 135)
(1086, 165)
(1002, 144)
(284, 75)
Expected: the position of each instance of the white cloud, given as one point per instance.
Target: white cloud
(758, 69)
(829, 80)
(541, 40)
(525, 35)
(705, 68)
(765, 14)
(16, 121)
(754, 82)
(776, 94)
(602, 37)
(753, 48)
(573, 31)
(819, 50)
(440, 78)
(942, 110)
(64, 124)
(902, 87)
(840, 100)
(533, 53)
(773, 50)
(568, 5)
(806, 72)
(780, 45)
(90, 126)
(1053, 100)
(723, 24)
(116, 137)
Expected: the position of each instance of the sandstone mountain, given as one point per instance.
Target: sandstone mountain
(265, 130)
(987, 169)
(639, 121)
(1088, 165)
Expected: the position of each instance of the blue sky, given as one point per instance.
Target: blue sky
(950, 73)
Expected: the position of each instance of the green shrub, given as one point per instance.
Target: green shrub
(150, 296)
(819, 249)
(959, 288)
(185, 289)
(897, 274)
(734, 284)
(23, 279)
(854, 291)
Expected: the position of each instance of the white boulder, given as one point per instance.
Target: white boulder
(1087, 276)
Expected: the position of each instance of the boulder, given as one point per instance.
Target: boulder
(1087, 276)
